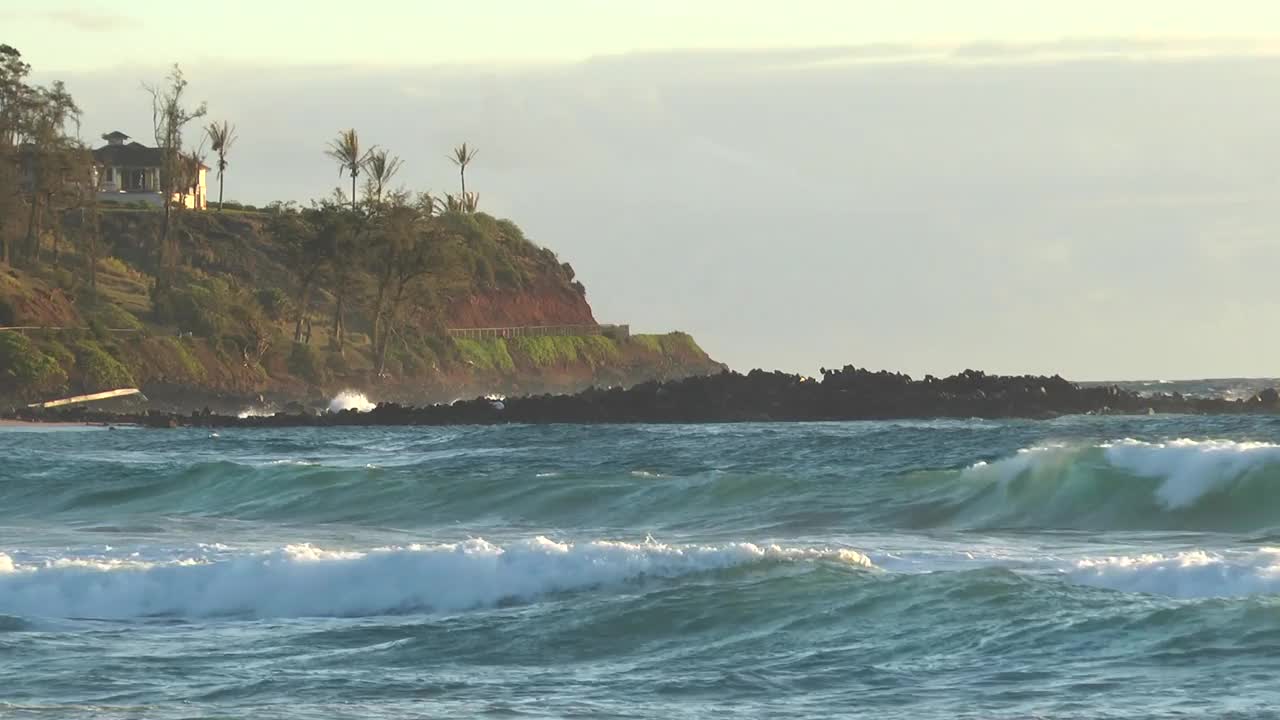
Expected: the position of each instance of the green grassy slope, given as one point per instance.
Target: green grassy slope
(225, 328)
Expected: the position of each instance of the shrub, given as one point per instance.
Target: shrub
(26, 369)
(650, 343)
(113, 266)
(8, 316)
(98, 370)
(174, 358)
(56, 350)
(306, 363)
(274, 302)
(115, 317)
(490, 355)
(337, 364)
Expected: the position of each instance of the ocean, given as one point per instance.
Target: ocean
(1084, 567)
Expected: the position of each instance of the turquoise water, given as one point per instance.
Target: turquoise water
(1076, 568)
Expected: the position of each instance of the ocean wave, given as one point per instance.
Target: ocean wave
(302, 580)
(350, 400)
(1188, 574)
(1124, 484)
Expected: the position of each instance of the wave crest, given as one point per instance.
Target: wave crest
(302, 580)
(1190, 574)
(1124, 484)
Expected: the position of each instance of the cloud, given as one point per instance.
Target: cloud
(1094, 217)
(83, 20)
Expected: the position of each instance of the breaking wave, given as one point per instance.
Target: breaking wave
(1190, 574)
(302, 580)
(1126, 484)
(350, 400)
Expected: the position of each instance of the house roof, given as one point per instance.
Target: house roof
(133, 154)
(115, 135)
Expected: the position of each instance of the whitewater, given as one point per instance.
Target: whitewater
(1084, 567)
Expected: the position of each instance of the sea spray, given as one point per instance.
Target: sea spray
(350, 400)
(258, 411)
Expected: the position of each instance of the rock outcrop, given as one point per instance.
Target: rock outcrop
(758, 396)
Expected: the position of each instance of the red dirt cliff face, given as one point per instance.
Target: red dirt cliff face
(541, 304)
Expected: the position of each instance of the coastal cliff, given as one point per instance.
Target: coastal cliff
(236, 326)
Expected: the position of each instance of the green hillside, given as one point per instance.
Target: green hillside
(224, 325)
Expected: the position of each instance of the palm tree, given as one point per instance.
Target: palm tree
(462, 157)
(381, 167)
(221, 136)
(346, 151)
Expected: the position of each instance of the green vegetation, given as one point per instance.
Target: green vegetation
(306, 363)
(347, 291)
(651, 343)
(24, 370)
(98, 369)
(562, 350)
(486, 355)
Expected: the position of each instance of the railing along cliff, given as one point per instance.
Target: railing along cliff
(24, 329)
(617, 332)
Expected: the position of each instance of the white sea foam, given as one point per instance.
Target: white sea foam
(350, 400)
(302, 580)
(1190, 574)
(1190, 468)
(257, 411)
(1008, 468)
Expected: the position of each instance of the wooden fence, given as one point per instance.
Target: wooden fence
(617, 332)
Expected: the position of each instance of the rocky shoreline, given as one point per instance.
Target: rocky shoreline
(846, 394)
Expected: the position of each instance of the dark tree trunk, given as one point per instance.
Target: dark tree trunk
(31, 243)
(338, 326)
(162, 247)
(94, 229)
(304, 296)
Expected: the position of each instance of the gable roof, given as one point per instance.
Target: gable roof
(134, 154)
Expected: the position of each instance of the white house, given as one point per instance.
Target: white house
(130, 172)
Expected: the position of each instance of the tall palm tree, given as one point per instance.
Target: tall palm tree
(381, 167)
(221, 137)
(462, 157)
(346, 151)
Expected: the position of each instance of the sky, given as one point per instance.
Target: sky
(1089, 188)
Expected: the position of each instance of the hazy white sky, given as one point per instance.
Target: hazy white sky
(1083, 187)
(389, 32)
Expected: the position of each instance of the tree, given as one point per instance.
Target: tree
(462, 157)
(405, 233)
(90, 223)
(298, 232)
(14, 94)
(15, 99)
(49, 157)
(381, 167)
(222, 136)
(169, 116)
(346, 151)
